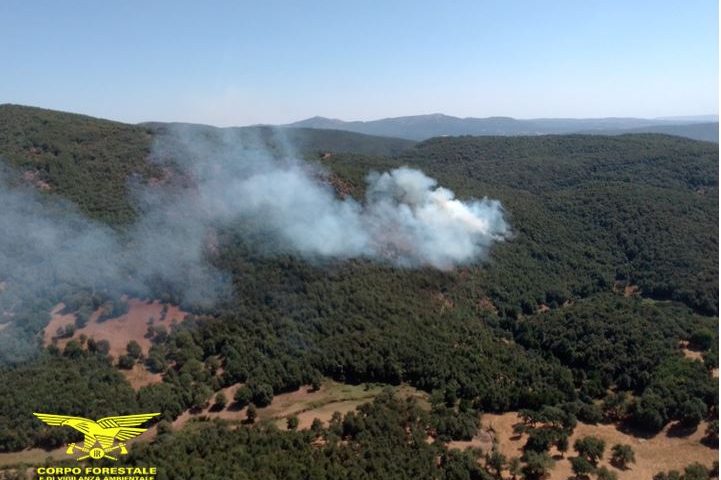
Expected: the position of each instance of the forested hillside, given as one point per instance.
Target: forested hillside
(612, 262)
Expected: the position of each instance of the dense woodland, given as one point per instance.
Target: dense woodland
(541, 323)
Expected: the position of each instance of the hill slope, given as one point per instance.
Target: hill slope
(612, 263)
(421, 127)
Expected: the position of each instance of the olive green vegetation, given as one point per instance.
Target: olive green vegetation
(385, 439)
(590, 215)
(87, 160)
(587, 211)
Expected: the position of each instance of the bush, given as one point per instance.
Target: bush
(692, 411)
(242, 396)
(581, 467)
(262, 394)
(293, 422)
(537, 465)
(695, 471)
(591, 448)
(622, 455)
(133, 349)
(251, 414)
(220, 401)
(711, 437)
(126, 362)
(590, 413)
(701, 339)
(604, 473)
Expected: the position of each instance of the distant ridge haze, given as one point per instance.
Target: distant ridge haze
(421, 127)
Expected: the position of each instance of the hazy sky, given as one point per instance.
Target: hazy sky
(240, 62)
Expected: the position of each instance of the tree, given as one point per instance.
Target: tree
(262, 394)
(242, 396)
(581, 467)
(514, 467)
(692, 411)
(251, 414)
(590, 413)
(561, 443)
(496, 461)
(591, 448)
(711, 437)
(126, 362)
(67, 331)
(702, 339)
(622, 455)
(220, 401)
(604, 473)
(650, 412)
(164, 427)
(537, 464)
(134, 350)
(316, 426)
(541, 439)
(293, 422)
(73, 349)
(200, 395)
(671, 475)
(695, 471)
(615, 406)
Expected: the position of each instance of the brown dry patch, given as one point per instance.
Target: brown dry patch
(57, 321)
(692, 354)
(485, 304)
(33, 177)
(626, 289)
(117, 331)
(658, 453)
(442, 301)
(342, 187)
(543, 308)
(688, 352)
(139, 376)
(482, 440)
(631, 290)
(165, 176)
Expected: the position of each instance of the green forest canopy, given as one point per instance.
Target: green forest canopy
(590, 215)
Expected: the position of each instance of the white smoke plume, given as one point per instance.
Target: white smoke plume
(224, 178)
(405, 219)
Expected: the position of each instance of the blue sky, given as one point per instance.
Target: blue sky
(237, 62)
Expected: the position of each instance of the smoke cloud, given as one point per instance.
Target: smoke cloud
(221, 178)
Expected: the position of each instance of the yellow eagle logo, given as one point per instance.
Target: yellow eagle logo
(100, 435)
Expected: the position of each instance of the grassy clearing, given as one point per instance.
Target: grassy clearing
(662, 452)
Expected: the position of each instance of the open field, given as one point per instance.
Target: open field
(662, 452)
(133, 325)
(305, 403)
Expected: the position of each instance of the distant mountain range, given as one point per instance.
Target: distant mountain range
(421, 127)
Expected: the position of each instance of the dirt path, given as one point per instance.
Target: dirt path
(304, 402)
